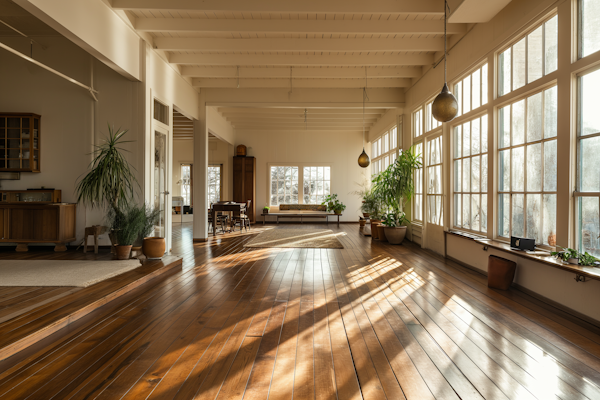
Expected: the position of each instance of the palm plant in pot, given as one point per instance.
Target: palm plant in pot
(111, 182)
(126, 222)
(396, 186)
(152, 247)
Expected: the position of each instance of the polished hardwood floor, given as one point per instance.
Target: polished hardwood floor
(371, 321)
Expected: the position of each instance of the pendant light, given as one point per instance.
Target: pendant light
(363, 159)
(445, 106)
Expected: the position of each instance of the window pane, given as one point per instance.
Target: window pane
(484, 172)
(504, 171)
(504, 128)
(590, 117)
(534, 217)
(484, 213)
(550, 112)
(504, 215)
(475, 136)
(504, 73)
(457, 210)
(476, 84)
(588, 224)
(458, 141)
(518, 170)
(518, 217)
(466, 208)
(458, 95)
(534, 117)
(484, 84)
(551, 45)
(590, 27)
(550, 170)
(519, 72)
(466, 175)
(457, 176)
(589, 173)
(475, 212)
(549, 219)
(535, 55)
(475, 174)
(518, 123)
(467, 94)
(466, 139)
(534, 167)
(484, 134)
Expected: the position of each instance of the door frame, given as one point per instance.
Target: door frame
(159, 127)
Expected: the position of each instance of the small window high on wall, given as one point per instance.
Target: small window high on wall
(589, 27)
(529, 59)
(161, 112)
(472, 91)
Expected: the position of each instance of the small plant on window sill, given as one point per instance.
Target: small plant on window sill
(572, 256)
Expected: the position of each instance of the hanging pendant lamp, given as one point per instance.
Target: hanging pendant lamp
(363, 159)
(445, 106)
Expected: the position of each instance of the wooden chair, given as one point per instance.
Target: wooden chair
(221, 220)
(243, 220)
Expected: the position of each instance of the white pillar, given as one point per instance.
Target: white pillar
(200, 177)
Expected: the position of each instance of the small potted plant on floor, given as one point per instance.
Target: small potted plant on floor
(333, 204)
(372, 206)
(362, 222)
(126, 222)
(266, 209)
(152, 247)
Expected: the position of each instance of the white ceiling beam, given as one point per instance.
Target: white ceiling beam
(301, 119)
(300, 114)
(301, 125)
(300, 83)
(295, 129)
(293, 111)
(292, 60)
(310, 45)
(287, 6)
(350, 27)
(332, 72)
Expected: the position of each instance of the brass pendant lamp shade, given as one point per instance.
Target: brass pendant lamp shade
(445, 106)
(363, 159)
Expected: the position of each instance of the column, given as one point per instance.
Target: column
(200, 176)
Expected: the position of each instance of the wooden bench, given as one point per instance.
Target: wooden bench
(301, 211)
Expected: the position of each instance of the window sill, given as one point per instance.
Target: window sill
(543, 257)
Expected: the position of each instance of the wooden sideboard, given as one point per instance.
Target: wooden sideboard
(25, 223)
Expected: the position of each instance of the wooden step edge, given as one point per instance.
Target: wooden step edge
(53, 327)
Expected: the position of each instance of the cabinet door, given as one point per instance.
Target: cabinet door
(249, 177)
(45, 224)
(238, 179)
(21, 223)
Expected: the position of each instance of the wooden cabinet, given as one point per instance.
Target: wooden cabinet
(39, 196)
(244, 183)
(37, 223)
(20, 142)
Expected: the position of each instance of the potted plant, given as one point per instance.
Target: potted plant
(110, 181)
(381, 230)
(266, 209)
(395, 226)
(364, 188)
(572, 256)
(152, 247)
(333, 204)
(126, 222)
(362, 222)
(372, 205)
(395, 187)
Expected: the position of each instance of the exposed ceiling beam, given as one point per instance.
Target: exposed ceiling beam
(262, 72)
(300, 83)
(256, 59)
(293, 111)
(299, 130)
(309, 123)
(310, 45)
(299, 118)
(287, 6)
(375, 27)
(324, 117)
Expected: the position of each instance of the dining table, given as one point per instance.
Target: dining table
(231, 207)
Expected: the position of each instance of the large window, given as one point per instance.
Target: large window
(470, 165)
(430, 122)
(286, 182)
(472, 91)
(214, 184)
(527, 167)
(284, 185)
(589, 27)
(435, 198)
(317, 184)
(588, 168)
(530, 58)
(418, 195)
(186, 184)
(385, 150)
(418, 123)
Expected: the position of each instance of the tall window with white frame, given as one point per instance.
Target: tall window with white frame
(387, 150)
(284, 185)
(472, 91)
(317, 184)
(186, 184)
(589, 27)
(470, 172)
(435, 200)
(588, 165)
(529, 59)
(214, 184)
(527, 167)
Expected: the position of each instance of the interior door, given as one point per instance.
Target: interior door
(161, 185)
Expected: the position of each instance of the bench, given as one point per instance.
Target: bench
(301, 211)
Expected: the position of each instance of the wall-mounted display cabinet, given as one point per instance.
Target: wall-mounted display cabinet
(20, 144)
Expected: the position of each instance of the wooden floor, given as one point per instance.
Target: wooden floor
(371, 321)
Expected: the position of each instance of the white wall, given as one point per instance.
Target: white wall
(339, 149)
(67, 111)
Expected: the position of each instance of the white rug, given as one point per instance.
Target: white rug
(81, 273)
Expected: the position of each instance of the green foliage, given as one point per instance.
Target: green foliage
(566, 254)
(333, 204)
(127, 222)
(395, 219)
(266, 208)
(372, 205)
(151, 216)
(395, 186)
(111, 180)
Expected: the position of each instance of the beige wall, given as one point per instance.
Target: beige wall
(338, 149)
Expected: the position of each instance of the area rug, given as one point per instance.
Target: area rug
(80, 273)
(297, 238)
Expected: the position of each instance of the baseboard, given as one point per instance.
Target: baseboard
(537, 296)
(199, 240)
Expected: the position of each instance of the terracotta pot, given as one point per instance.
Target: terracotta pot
(265, 210)
(374, 232)
(154, 247)
(395, 235)
(123, 252)
(362, 222)
(366, 215)
(381, 233)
